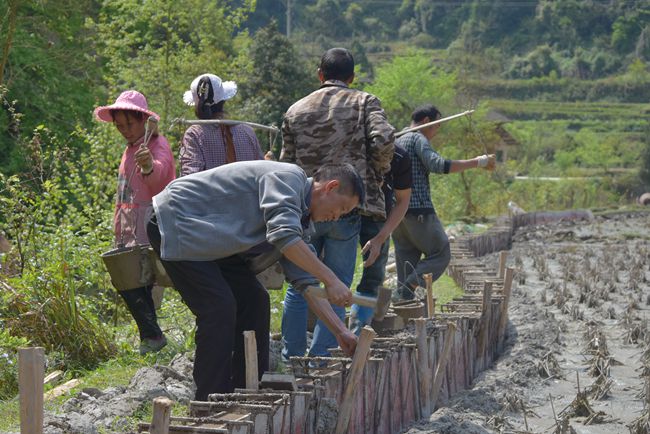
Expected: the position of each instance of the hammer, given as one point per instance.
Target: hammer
(380, 304)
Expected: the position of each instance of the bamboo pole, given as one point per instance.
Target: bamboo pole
(442, 362)
(428, 279)
(250, 354)
(31, 371)
(436, 122)
(272, 129)
(354, 375)
(162, 410)
(424, 373)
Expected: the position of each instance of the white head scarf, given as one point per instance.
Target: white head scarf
(223, 90)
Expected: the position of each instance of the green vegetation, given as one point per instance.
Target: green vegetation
(445, 290)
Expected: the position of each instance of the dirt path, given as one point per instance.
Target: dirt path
(579, 310)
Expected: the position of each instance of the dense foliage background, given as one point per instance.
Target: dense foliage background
(568, 80)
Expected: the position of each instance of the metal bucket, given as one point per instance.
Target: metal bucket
(129, 267)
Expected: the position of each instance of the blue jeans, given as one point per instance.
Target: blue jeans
(373, 276)
(336, 245)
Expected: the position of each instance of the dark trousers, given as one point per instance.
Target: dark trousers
(140, 304)
(227, 299)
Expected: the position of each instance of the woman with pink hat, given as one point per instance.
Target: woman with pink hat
(210, 145)
(147, 166)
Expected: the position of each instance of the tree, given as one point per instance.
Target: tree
(411, 80)
(12, 13)
(47, 73)
(273, 78)
(158, 47)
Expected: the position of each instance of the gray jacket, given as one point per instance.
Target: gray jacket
(230, 209)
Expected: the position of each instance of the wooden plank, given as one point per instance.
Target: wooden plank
(396, 401)
(424, 372)
(356, 371)
(298, 411)
(370, 393)
(31, 370)
(428, 279)
(409, 385)
(415, 377)
(275, 381)
(485, 326)
(53, 377)
(62, 389)
(503, 256)
(503, 320)
(442, 362)
(383, 409)
(250, 354)
(162, 411)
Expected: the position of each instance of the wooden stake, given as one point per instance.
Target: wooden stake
(424, 373)
(503, 319)
(442, 362)
(31, 370)
(428, 279)
(162, 410)
(484, 332)
(354, 375)
(250, 354)
(503, 256)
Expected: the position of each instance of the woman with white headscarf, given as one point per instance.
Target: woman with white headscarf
(211, 145)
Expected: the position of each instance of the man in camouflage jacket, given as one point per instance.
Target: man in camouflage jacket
(335, 124)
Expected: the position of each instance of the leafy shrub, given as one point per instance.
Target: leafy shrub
(57, 215)
(9, 362)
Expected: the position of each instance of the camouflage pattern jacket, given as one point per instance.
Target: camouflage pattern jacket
(336, 124)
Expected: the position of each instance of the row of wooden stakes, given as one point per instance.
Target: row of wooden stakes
(393, 379)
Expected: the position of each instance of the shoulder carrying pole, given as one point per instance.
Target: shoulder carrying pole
(439, 121)
(224, 122)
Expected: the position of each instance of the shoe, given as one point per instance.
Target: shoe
(152, 345)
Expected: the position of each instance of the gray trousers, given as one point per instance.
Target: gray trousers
(415, 237)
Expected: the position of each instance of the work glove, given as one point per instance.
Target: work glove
(487, 162)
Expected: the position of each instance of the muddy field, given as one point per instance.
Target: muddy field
(578, 358)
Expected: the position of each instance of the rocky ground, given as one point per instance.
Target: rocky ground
(577, 359)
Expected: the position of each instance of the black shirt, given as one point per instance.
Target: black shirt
(398, 178)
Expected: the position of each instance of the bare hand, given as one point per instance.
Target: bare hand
(373, 248)
(269, 156)
(338, 293)
(144, 160)
(347, 341)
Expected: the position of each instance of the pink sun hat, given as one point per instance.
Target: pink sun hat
(128, 100)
